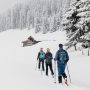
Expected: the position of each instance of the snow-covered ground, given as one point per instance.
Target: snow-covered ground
(18, 64)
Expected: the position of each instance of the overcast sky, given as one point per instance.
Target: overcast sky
(6, 4)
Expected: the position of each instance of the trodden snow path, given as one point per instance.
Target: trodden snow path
(18, 64)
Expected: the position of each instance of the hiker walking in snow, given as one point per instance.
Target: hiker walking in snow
(62, 58)
(41, 57)
(48, 61)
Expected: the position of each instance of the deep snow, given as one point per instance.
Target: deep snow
(18, 64)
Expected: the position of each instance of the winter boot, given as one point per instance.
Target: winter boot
(66, 81)
(64, 75)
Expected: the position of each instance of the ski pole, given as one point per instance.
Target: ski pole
(68, 74)
(54, 71)
(36, 65)
(41, 68)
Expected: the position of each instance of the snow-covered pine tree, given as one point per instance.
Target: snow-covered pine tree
(28, 19)
(76, 19)
(8, 19)
(53, 24)
(2, 23)
(69, 21)
(21, 18)
(84, 13)
(38, 24)
(46, 25)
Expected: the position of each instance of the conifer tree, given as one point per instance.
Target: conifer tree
(77, 21)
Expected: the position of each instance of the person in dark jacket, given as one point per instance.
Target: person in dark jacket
(62, 58)
(48, 61)
(41, 57)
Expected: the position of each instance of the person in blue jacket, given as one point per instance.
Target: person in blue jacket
(41, 57)
(62, 58)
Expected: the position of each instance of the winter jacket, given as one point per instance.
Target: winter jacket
(41, 57)
(61, 56)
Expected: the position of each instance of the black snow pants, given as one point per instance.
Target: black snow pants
(50, 66)
(41, 61)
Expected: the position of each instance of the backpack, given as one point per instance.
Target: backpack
(62, 56)
(41, 55)
(48, 58)
(48, 61)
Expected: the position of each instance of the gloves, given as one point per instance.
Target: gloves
(65, 61)
(37, 58)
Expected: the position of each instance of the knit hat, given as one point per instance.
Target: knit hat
(41, 48)
(61, 45)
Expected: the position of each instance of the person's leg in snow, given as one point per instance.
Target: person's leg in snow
(46, 69)
(64, 75)
(61, 69)
(39, 64)
(54, 71)
(43, 65)
(59, 79)
(65, 78)
(50, 66)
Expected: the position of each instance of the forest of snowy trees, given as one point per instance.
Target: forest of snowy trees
(76, 22)
(43, 15)
(73, 16)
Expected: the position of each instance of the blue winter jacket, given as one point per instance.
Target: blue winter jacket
(61, 60)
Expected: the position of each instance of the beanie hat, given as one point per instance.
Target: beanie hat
(60, 45)
(41, 48)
